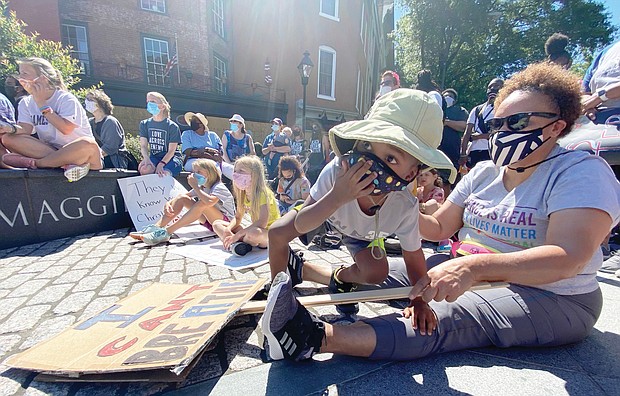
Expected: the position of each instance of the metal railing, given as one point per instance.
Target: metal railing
(185, 79)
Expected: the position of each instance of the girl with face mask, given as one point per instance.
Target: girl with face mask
(292, 183)
(253, 195)
(159, 139)
(208, 201)
(236, 141)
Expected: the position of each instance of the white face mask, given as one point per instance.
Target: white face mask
(449, 101)
(384, 89)
(90, 105)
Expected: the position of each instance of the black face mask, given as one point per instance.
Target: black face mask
(195, 125)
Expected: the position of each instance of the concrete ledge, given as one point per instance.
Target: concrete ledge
(41, 205)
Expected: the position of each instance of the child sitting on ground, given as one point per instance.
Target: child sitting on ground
(363, 194)
(208, 200)
(292, 183)
(253, 195)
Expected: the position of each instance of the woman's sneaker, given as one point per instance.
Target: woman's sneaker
(76, 172)
(145, 230)
(338, 286)
(240, 248)
(290, 331)
(156, 237)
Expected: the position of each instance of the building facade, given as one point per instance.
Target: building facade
(221, 57)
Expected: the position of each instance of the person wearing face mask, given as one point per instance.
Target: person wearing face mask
(199, 141)
(63, 139)
(275, 145)
(254, 196)
(159, 139)
(389, 82)
(363, 195)
(108, 131)
(475, 142)
(522, 219)
(237, 142)
(292, 183)
(454, 123)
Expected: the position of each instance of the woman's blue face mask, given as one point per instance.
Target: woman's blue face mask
(152, 108)
(200, 179)
(234, 127)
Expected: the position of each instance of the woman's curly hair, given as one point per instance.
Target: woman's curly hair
(559, 85)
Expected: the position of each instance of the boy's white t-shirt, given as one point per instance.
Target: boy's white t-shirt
(67, 106)
(398, 214)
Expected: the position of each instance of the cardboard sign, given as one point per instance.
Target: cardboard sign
(145, 197)
(164, 326)
(213, 252)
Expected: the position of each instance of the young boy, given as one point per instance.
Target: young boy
(363, 194)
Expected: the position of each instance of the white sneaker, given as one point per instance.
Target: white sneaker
(617, 274)
(76, 172)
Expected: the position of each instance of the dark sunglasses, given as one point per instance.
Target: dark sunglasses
(516, 122)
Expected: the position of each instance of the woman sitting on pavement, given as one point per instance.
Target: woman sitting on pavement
(59, 120)
(107, 130)
(199, 142)
(541, 234)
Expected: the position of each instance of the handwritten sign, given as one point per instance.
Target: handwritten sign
(162, 326)
(145, 197)
(213, 252)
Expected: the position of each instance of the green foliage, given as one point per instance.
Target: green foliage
(15, 44)
(466, 43)
(133, 145)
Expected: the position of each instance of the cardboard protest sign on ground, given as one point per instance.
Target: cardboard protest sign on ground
(194, 231)
(213, 252)
(164, 326)
(145, 197)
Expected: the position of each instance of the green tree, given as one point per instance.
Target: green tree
(15, 44)
(466, 43)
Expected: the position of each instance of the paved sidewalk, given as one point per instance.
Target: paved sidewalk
(45, 288)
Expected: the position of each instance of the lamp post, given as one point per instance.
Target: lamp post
(305, 68)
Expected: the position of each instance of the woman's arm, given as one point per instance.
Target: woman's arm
(447, 220)
(144, 150)
(251, 143)
(224, 146)
(573, 236)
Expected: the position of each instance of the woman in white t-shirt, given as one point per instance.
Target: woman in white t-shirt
(64, 138)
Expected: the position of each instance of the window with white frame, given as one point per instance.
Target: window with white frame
(327, 73)
(154, 5)
(76, 36)
(156, 55)
(329, 9)
(220, 74)
(218, 17)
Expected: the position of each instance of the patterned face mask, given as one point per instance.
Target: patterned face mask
(386, 181)
(508, 147)
(242, 181)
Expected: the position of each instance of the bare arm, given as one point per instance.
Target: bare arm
(224, 145)
(251, 143)
(443, 223)
(144, 150)
(456, 125)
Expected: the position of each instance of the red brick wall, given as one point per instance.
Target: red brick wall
(41, 16)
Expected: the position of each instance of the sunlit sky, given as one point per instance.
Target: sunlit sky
(613, 6)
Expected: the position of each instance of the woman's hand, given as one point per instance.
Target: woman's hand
(350, 182)
(168, 210)
(422, 316)
(446, 281)
(159, 169)
(38, 88)
(191, 180)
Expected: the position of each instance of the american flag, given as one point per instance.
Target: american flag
(171, 63)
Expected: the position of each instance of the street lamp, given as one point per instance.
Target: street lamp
(305, 68)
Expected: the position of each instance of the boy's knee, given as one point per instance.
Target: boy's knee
(375, 275)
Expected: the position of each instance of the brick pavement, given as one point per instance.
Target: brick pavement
(47, 287)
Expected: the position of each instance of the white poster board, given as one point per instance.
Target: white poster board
(213, 252)
(146, 195)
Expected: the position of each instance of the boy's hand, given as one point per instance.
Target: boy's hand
(422, 316)
(350, 181)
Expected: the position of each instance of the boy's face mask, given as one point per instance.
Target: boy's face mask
(386, 181)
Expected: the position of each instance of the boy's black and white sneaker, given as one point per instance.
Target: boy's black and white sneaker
(240, 248)
(291, 332)
(294, 265)
(338, 286)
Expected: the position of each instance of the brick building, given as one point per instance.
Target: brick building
(222, 49)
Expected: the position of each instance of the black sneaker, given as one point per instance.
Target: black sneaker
(294, 264)
(240, 248)
(262, 294)
(337, 286)
(290, 331)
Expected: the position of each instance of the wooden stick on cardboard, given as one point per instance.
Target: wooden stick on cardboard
(254, 307)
